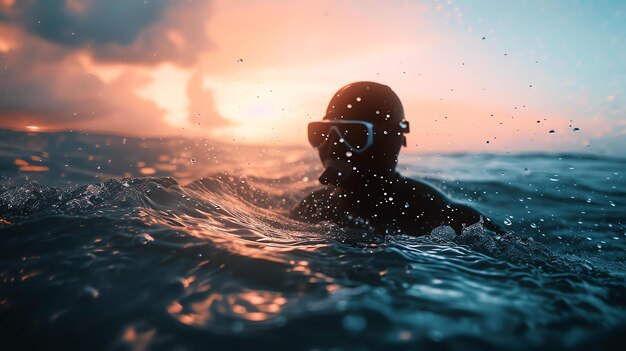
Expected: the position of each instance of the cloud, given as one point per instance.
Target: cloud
(202, 109)
(129, 31)
(56, 92)
(49, 51)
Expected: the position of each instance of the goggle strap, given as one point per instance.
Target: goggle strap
(404, 126)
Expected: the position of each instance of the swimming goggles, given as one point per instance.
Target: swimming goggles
(357, 135)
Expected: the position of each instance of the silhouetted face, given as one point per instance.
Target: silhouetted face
(361, 133)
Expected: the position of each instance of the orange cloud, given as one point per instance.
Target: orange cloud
(87, 71)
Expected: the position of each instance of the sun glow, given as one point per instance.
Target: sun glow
(8, 39)
(5, 46)
(106, 72)
(265, 106)
(168, 90)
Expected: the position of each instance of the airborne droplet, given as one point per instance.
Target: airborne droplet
(551, 131)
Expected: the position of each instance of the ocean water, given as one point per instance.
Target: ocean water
(121, 243)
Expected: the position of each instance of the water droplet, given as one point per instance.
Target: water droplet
(406, 205)
(385, 132)
(390, 198)
(533, 225)
(377, 112)
(551, 131)
(576, 129)
(193, 161)
(349, 105)
(358, 99)
(305, 179)
(240, 60)
(507, 221)
(341, 140)
(348, 154)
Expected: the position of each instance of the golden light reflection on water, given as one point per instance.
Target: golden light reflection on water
(147, 171)
(31, 168)
(24, 166)
(251, 306)
(138, 341)
(188, 280)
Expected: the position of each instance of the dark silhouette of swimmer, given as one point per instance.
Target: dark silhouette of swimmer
(358, 141)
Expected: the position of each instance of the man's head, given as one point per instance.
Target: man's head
(362, 132)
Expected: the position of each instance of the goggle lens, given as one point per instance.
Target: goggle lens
(357, 135)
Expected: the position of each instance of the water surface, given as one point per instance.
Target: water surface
(120, 243)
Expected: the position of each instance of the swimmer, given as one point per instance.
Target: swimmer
(358, 142)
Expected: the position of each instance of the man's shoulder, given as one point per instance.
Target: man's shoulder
(410, 185)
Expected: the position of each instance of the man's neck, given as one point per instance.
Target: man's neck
(372, 181)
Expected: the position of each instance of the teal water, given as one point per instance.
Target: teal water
(119, 243)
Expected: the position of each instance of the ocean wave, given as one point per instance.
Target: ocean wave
(217, 260)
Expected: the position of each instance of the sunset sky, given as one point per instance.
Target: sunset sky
(468, 72)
